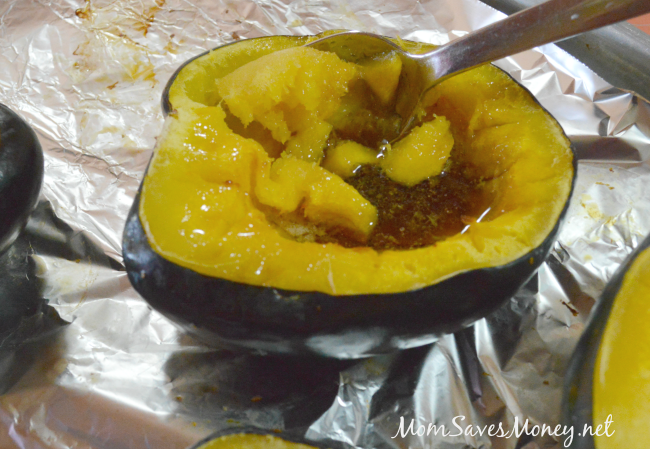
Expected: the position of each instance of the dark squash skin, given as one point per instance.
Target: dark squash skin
(287, 435)
(225, 312)
(577, 403)
(21, 175)
(228, 313)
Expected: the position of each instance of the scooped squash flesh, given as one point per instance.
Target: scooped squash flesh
(259, 208)
(420, 155)
(621, 384)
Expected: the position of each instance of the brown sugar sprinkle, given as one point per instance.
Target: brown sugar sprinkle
(421, 215)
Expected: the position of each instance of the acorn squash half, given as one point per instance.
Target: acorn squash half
(249, 437)
(608, 371)
(262, 221)
(21, 174)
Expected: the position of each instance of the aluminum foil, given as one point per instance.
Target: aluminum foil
(90, 365)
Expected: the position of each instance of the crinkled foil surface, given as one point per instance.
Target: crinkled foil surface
(94, 367)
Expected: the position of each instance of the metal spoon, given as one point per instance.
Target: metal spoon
(548, 22)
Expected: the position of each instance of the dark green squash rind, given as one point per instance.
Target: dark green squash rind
(287, 435)
(21, 174)
(577, 402)
(281, 321)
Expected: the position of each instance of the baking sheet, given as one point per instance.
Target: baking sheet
(95, 367)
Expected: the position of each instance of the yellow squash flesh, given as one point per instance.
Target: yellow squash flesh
(347, 156)
(382, 75)
(211, 198)
(621, 389)
(420, 155)
(252, 441)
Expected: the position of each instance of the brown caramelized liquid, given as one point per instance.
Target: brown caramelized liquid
(408, 217)
(421, 215)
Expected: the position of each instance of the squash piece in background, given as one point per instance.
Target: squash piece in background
(21, 175)
(252, 441)
(621, 384)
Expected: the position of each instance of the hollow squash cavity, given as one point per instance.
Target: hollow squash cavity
(272, 172)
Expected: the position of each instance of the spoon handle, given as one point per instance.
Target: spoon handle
(548, 22)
